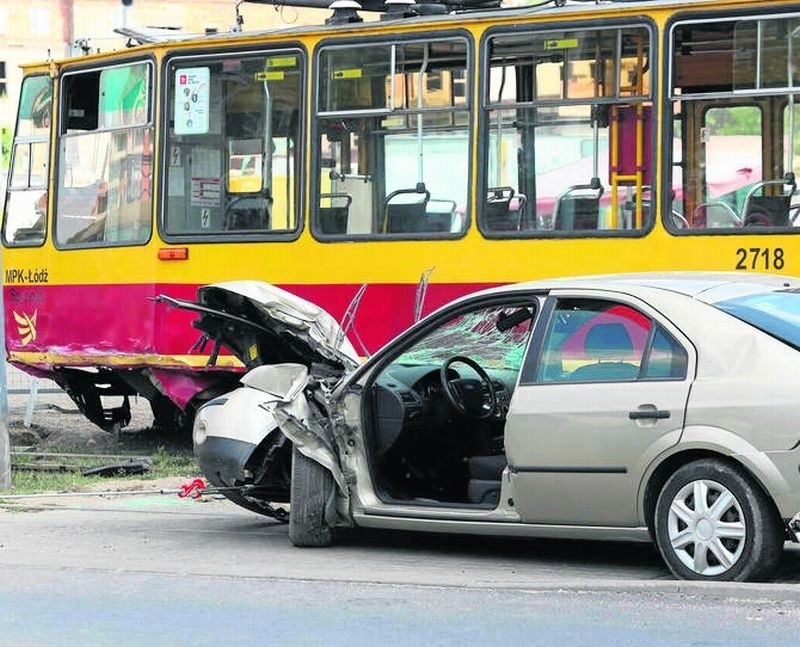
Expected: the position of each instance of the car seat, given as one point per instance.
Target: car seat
(607, 343)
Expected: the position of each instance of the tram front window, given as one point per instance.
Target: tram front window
(234, 127)
(393, 155)
(26, 199)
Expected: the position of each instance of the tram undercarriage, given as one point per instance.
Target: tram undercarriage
(103, 395)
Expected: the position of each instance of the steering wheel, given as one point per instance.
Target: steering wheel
(471, 398)
(255, 216)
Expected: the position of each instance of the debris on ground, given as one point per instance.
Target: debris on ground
(121, 468)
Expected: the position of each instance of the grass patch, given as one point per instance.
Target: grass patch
(166, 463)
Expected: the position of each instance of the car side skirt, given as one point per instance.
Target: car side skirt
(502, 529)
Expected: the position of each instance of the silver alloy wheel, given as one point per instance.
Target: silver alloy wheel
(706, 527)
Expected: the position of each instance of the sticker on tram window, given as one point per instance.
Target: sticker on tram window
(282, 61)
(393, 122)
(276, 75)
(561, 43)
(760, 258)
(352, 73)
(192, 100)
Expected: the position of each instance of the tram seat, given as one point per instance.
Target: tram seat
(437, 222)
(439, 216)
(406, 217)
(576, 213)
(247, 212)
(578, 208)
(499, 216)
(769, 210)
(333, 219)
(246, 219)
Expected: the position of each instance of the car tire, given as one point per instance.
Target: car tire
(733, 535)
(311, 490)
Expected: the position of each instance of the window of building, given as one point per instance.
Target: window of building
(39, 20)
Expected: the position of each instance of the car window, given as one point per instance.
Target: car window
(594, 341)
(493, 336)
(776, 313)
(667, 358)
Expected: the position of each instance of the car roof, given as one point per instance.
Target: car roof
(709, 287)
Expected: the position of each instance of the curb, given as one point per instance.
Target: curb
(755, 592)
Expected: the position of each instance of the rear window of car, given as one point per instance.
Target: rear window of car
(776, 313)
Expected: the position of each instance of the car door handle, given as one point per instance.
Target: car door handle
(649, 414)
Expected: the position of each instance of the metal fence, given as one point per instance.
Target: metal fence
(20, 382)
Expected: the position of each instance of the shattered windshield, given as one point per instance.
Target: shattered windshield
(495, 337)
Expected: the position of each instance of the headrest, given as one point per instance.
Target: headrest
(608, 340)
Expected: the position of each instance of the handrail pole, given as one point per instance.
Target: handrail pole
(789, 73)
(422, 70)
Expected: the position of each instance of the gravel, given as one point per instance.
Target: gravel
(57, 426)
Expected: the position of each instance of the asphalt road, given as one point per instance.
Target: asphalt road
(167, 571)
(89, 608)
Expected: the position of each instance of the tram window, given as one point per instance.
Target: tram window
(26, 196)
(731, 91)
(569, 132)
(393, 150)
(729, 136)
(234, 127)
(104, 194)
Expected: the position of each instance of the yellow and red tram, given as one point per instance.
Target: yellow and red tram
(472, 147)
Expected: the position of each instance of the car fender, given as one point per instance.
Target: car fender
(307, 428)
(312, 439)
(246, 414)
(228, 430)
(274, 396)
(726, 443)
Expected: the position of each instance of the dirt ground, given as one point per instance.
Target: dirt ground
(57, 426)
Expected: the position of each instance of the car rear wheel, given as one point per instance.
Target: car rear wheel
(311, 491)
(713, 523)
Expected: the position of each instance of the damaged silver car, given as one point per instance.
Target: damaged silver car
(658, 407)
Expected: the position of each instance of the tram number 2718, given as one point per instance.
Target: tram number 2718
(762, 258)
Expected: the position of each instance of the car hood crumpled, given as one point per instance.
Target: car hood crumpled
(263, 324)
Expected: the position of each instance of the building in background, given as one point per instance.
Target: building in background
(37, 29)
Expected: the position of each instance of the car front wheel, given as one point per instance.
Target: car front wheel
(713, 523)
(311, 492)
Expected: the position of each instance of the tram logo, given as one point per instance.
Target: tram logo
(26, 326)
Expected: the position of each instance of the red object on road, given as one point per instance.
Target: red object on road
(194, 488)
